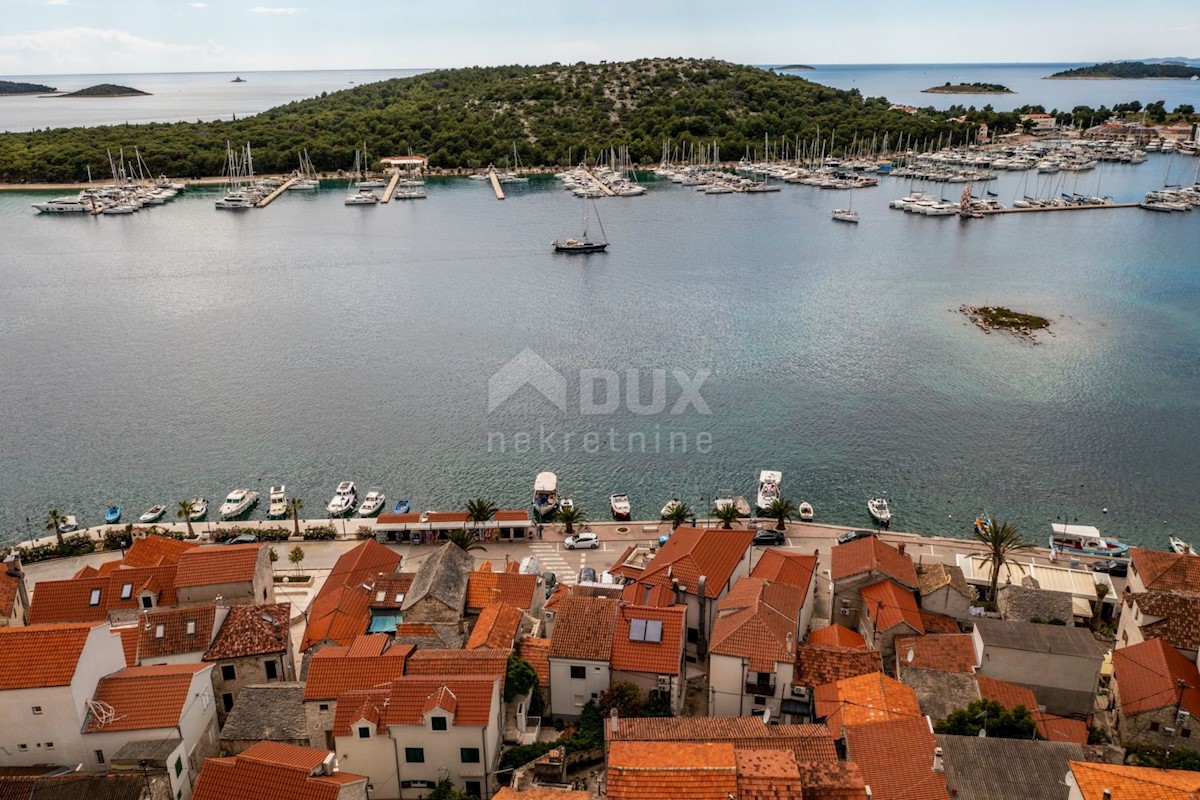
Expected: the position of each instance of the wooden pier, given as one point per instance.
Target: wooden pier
(266, 201)
(1085, 207)
(491, 173)
(391, 187)
(603, 186)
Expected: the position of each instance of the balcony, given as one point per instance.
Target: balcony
(767, 689)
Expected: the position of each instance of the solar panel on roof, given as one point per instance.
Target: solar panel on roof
(637, 630)
(653, 630)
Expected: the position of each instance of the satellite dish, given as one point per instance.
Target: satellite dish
(910, 655)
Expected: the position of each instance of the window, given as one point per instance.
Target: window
(228, 672)
(1153, 726)
(414, 755)
(693, 635)
(147, 601)
(474, 789)
(23, 748)
(364, 732)
(760, 700)
(37, 709)
(178, 766)
(272, 670)
(1186, 733)
(126, 591)
(191, 627)
(100, 757)
(322, 706)
(469, 755)
(94, 598)
(227, 701)
(578, 699)
(437, 723)
(578, 673)
(160, 631)
(49, 745)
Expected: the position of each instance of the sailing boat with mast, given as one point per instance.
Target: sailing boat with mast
(364, 196)
(306, 176)
(584, 244)
(847, 214)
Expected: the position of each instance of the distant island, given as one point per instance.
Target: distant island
(1127, 70)
(795, 67)
(10, 87)
(999, 318)
(969, 88)
(107, 90)
(238, 79)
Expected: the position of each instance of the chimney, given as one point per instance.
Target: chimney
(938, 766)
(612, 721)
(1107, 794)
(791, 643)
(900, 547)
(702, 641)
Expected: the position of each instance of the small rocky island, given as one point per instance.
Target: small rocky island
(794, 68)
(107, 90)
(13, 87)
(1128, 70)
(999, 318)
(968, 88)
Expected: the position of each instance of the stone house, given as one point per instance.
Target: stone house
(14, 598)
(271, 712)
(253, 646)
(439, 591)
(862, 563)
(1030, 603)
(944, 590)
(888, 610)
(1156, 692)
(368, 661)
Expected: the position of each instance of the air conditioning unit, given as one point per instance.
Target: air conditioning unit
(1168, 732)
(845, 612)
(1181, 718)
(664, 682)
(800, 691)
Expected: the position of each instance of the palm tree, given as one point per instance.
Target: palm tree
(782, 510)
(570, 517)
(54, 522)
(480, 510)
(184, 512)
(294, 505)
(679, 514)
(1003, 541)
(465, 541)
(727, 513)
(1101, 593)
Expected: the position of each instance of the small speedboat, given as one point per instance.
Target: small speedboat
(545, 494)
(199, 509)
(805, 511)
(1181, 547)
(154, 514)
(70, 524)
(877, 507)
(238, 502)
(566, 503)
(112, 515)
(619, 503)
(344, 500)
(277, 507)
(768, 488)
(669, 507)
(402, 506)
(372, 504)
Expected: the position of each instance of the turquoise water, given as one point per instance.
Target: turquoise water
(183, 351)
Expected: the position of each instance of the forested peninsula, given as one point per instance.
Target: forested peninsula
(472, 117)
(1134, 70)
(13, 87)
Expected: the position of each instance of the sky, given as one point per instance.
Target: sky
(52, 37)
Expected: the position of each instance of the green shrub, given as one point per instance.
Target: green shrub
(117, 540)
(320, 533)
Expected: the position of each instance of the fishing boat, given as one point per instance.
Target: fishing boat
(669, 507)
(583, 244)
(277, 506)
(619, 503)
(153, 514)
(402, 506)
(877, 507)
(372, 504)
(805, 511)
(983, 524)
(545, 494)
(1084, 540)
(768, 488)
(344, 499)
(112, 515)
(199, 509)
(1180, 546)
(237, 503)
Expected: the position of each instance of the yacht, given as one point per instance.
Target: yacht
(344, 500)
(373, 503)
(153, 514)
(63, 205)
(364, 197)
(805, 511)
(545, 494)
(669, 507)
(619, 503)
(877, 507)
(845, 215)
(277, 507)
(237, 503)
(199, 509)
(1084, 540)
(371, 183)
(768, 488)
(236, 201)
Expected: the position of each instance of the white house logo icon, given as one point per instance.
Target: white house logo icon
(527, 367)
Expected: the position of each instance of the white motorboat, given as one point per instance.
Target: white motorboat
(768, 488)
(70, 524)
(344, 500)
(371, 183)
(199, 509)
(545, 494)
(669, 507)
(619, 503)
(372, 504)
(566, 503)
(277, 507)
(154, 514)
(364, 197)
(877, 507)
(1181, 547)
(236, 201)
(63, 205)
(237, 503)
(805, 511)
(1084, 540)
(845, 215)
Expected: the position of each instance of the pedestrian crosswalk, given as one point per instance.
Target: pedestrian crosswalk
(552, 560)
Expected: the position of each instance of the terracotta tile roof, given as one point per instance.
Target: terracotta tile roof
(252, 631)
(1142, 783)
(361, 705)
(939, 623)
(71, 600)
(953, 652)
(496, 628)
(9, 585)
(675, 771)
(896, 759)
(175, 638)
(648, 595)
(411, 697)
(447, 516)
(153, 551)
(510, 515)
(485, 588)
(817, 664)
(1152, 675)
(869, 698)
(362, 564)
(540, 793)
(1172, 616)
(432, 662)
(1166, 572)
(537, 652)
(692, 552)
(390, 586)
(781, 566)
(560, 591)
(934, 576)
(624, 570)
(867, 555)
(205, 566)
(890, 605)
(334, 670)
(129, 643)
(583, 628)
(757, 621)
(633, 654)
(838, 780)
(838, 635)
(1061, 729)
(271, 770)
(337, 616)
(41, 656)
(767, 775)
(145, 697)
(806, 742)
(1009, 695)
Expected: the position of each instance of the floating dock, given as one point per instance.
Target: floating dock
(266, 201)
(391, 187)
(491, 173)
(604, 187)
(990, 211)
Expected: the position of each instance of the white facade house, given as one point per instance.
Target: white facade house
(581, 652)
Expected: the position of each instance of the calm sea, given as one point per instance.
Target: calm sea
(185, 351)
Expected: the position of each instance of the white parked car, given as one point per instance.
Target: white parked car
(589, 540)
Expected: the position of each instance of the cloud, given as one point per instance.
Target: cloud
(275, 10)
(79, 49)
(198, 5)
(57, 2)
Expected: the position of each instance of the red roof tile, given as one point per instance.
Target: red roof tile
(271, 770)
(1152, 675)
(693, 552)
(337, 616)
(175, 638)
(806, 742)
(1061, 729)
(41, 656)
(537, 652)
(817, 664)
(863, 556)
(129, 643)
(889, 604)
(1099, 781)
(896, 759)
(206, 566)
(334, 671)
(1009, 695)
(457, 517)
(508, 515)
(362, 564)
(252, 631)
(485, 588)
(583, 628)
(144, 697)
(71, 600)
(869, 698)
(648, 595)
(838, 635)
(496, 628)
(1171, 616)
(839, 780)
(939, 623)
(757, 621)
(153, 551)
(433, 661)
(389, 589)
(781, 566)
(949, 652)
(671, 771)
(767, 775)
(409, 699)
(9, 585)
(1163, 571)
(634, 651)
